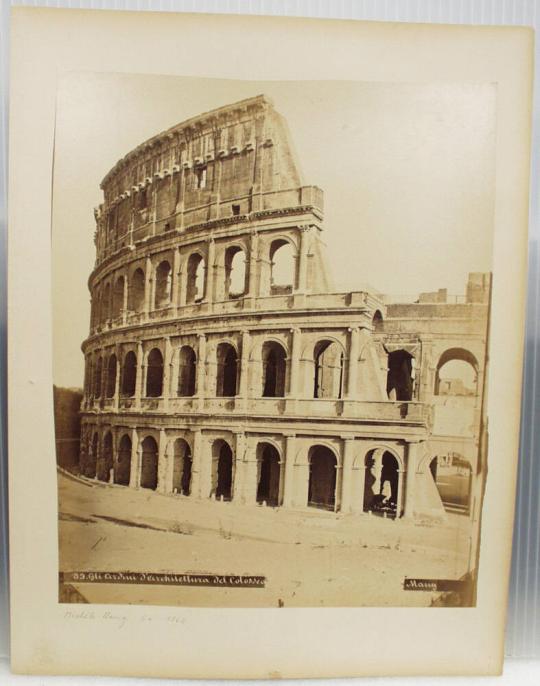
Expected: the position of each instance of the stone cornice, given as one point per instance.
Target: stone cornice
(190, 128)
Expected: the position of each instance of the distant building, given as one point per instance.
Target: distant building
(221, 363)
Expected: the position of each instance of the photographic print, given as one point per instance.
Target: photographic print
(271, 312)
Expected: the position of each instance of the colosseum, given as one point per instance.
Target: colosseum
(221, 363)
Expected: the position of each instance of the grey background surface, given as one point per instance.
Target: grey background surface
(523, 630)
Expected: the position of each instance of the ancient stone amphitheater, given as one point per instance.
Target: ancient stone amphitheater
(221, 363)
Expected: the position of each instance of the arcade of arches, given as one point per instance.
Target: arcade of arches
(291, 471)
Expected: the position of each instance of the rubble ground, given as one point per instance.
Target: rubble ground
(310, 558)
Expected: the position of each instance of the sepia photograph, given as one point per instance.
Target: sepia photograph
(271, 309)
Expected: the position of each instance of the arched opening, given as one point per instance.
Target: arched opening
(122, 470)
(457, 373)
(322, 478)
(129, 375)
(227, 370)
(111, 376)
(106, 461)
(268, 474)
(328, 363)
(136, 291)
(274, 368)
(118, 297)
(97, 379)
(154, 374)
(377, 321)
(283, 267)
(89, 378)
(235, 272)
(453, 477)
(195, 278)
(163, 284)
(181, 482)
(149, 463)
(106, 304)
(401, 373)
(381, 483)
(91, 465)
(187, 371)
(222, 470)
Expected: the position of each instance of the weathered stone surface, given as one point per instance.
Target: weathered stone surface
(221, 364)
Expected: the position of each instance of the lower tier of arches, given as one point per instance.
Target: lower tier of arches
(392, 478)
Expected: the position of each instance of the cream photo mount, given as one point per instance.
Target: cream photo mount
(52, 638)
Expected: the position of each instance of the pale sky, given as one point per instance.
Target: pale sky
(407, 172)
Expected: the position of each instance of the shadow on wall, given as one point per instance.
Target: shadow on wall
(67, 425)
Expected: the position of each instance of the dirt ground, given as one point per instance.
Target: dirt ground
(309, 558)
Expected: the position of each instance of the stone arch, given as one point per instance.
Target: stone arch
(118, 297)
(154, 374)
(110, 388)
(182, 464)
(269, 465)
(187, 371)
(274, 369)
(98, 377)
(328, 369)
(323, 463)
(163, 284)
(105, 313)
(195, 284)
(463, 361)
(401, 375)
(235, 271)
(381, 483)
(122, 467)
(105, 463)
(149, 463)
(283, 260)
(227, 370)
(91, 465)
(377, 321)
(129, 374)
(137, 291)
(223, 468)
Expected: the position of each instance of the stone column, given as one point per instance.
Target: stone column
(175, 291)
(244, 368)
(134, 470)
(413, 459)
(252, 290)
(170, 467)
(399, 503)
(117, 378)
(182, 281)
(209, 276)
(352, 375)
(162, 462)
(347, 473)
(294, 363)
(302, 259)
(201, 370)
(148, 288)
(196, 464)
(238, 482)
(125, 299)
(166, 390)
(339, 486)
(250, 476)
(139, 381)
(288, 488)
